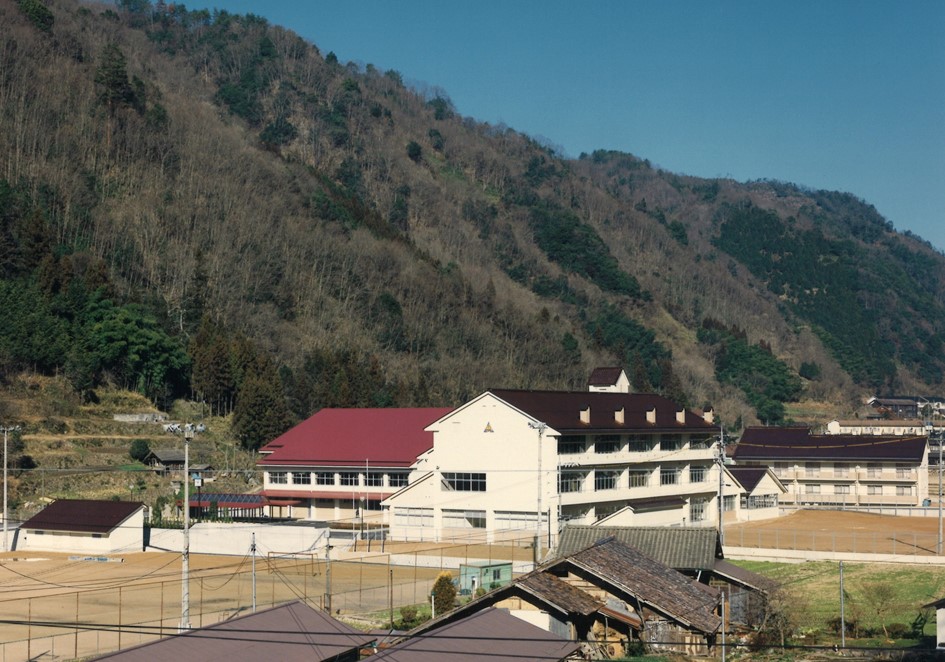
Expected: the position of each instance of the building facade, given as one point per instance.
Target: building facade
(506, 456)
(339, 464)
(840, 470)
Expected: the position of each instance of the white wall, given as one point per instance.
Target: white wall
(127, 537)
(235, 538)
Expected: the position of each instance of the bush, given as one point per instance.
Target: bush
(139, 450)
(444, 593)
(898, 630)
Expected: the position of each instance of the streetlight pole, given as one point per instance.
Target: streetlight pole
(541, 427)
(721, 461)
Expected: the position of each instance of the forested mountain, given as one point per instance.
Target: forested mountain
(201, 204)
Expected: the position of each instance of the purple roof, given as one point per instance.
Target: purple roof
(82, 515)
(796, 443)
(562, 411)
(487, 634)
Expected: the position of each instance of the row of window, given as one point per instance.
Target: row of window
(609, 479)
(641, 443)
(845, 470)
(815, 488)
(347, 478)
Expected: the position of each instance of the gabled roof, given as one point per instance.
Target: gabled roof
(487, 634)
(773, 443)
(561, 410)
(604, 376)
(749, 477)
(82, 515)
(292, 632)
(349, 437)
(743, 577)
(167, 455)
(567, 598)
(655, 584)
(682, 548)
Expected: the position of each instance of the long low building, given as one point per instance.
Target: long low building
(838, 469)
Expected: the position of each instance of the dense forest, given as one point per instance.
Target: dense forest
(199, 204)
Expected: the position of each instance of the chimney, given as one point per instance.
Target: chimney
(681, 417)
(619, 416)
(586, 415)
(651, 415)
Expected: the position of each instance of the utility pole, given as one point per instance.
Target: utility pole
(185, 557)
(843, 622)
(6, 430)
(721, 461)
(328, 578)
(252, 549)
(541, 427)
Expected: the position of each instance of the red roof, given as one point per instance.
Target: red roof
(351, 437)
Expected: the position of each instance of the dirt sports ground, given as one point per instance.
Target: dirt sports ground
(57, 607)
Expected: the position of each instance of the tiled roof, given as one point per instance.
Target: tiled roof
(293, 632)
(168, 455)
(604, 376)
(562, 411)
(657, 585)
(82, 515)
(487, 634)
(739, 575)
(569, 599)
(693, 548)
(771, 443)
(349, 437)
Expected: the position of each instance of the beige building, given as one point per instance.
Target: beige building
(500, 459)
(840, 470)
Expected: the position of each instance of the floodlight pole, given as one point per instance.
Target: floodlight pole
(185, 557)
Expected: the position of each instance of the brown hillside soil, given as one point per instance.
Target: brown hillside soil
(840, 531)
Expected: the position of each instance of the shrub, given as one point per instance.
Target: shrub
(444, 593)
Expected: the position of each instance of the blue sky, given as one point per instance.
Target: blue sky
(843, 94)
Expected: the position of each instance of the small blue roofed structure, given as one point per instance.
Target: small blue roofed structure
(484, 574)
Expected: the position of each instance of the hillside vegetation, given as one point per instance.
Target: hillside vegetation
(199, 204)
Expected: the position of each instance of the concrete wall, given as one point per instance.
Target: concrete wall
(235, 539)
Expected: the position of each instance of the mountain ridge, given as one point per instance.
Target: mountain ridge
(351, 241)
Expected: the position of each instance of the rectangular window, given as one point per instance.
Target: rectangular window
(397, 479)
(780, 469)
(278, 477)
(874, 470)
(570, 444)
(671, 442)
(812, 469)
(697, 474)
(669, 475)
(603, 510)
(700, 443)
(728, 503)
(348, 478)
(419, 517)
(325, 478)
(903, 471)
(697, 510)
(375, 479)
(464, 519)
(301, 478)
(605, 480)
(641, 443)
(812, 489)
(903, 490)
(639, 478)
(372, 505)
(841, 470)
(510, 520)
(607, 443)
(571, 481)
(874, 489)
(841, 489)
(464, 482)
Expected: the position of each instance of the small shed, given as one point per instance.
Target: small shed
(484, 574)
(939, 607)
(84, 526)
(165, 460)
